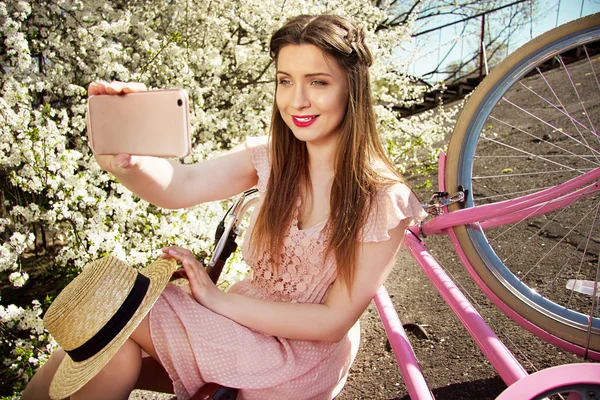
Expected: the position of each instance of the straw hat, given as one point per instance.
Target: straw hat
(95, 314)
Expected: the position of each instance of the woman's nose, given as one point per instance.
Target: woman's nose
(300, 99)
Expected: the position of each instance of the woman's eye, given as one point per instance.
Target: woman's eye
(284, 81)
(319, 83)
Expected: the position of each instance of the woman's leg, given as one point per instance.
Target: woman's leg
(117, 379)
(37, 388)
(127, 370)
(152, 376)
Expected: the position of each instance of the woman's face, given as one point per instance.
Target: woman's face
(312, 93)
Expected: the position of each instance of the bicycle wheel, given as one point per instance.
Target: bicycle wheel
(531, 125)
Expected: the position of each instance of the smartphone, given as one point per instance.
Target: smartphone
(150, 123)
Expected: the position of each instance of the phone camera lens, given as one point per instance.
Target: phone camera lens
(179, 102)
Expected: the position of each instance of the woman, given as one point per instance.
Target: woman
(323, 238)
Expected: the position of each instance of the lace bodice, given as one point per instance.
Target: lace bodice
(303, 274)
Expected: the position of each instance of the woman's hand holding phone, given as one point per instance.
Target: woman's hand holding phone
(110, 162)
(125, 121)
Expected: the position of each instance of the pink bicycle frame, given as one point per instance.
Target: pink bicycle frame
(503, 361)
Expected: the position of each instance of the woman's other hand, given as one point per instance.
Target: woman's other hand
(114, 88)
(112, 163)
(203, 289)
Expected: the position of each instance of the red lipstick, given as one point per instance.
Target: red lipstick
(304, 121)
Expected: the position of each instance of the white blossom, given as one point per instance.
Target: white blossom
(18, 279)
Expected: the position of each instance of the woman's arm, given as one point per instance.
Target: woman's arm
(328, 322)
(169, 184)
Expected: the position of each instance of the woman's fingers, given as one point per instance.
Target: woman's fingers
(131, 87)
(122, 160)
(94, 89)
(193, 268)
(178, 253)
(113, 163)
(203, 289)
(185, 257)
(114, 88)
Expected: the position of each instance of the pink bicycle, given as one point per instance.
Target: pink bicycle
(523, 175)
(519, 197)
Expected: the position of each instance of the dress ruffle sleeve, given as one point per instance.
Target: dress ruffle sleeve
(394, 204)
(259, 149)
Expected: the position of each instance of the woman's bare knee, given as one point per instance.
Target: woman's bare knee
(39, 385)
(118, 377)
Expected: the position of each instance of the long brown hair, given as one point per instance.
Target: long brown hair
(359, 150)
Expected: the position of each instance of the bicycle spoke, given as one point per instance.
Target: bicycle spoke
(584, 254)
(507, 175)
(533, 212)
(591, 66)
(558, 275)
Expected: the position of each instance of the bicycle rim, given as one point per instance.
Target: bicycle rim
(531, 124)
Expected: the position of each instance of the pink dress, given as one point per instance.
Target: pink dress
(196, 345)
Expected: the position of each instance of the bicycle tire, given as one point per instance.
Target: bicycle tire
(507, 284)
